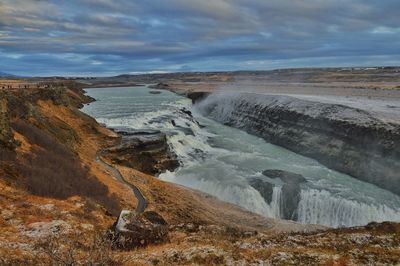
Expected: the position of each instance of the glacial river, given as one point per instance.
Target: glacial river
(221, 161)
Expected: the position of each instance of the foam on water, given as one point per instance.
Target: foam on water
(321, 207)
(242, 195)
(220, 160)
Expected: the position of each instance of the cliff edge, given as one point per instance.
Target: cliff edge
(344, 138)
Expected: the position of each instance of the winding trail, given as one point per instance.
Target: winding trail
(142, 203)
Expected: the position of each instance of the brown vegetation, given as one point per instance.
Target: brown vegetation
(70, 249)
(51, 170)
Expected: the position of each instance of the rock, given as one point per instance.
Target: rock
(7, 214)
(147, 152)
(290, 195)
(154, 217)
(43, 229)
(290, 192)
(187, 112)
(197, 96)
(347, 139)
(161, 86)
(155, 92)
(88, 227)
(290, 201)
(265, 188)
(286, 176)
(47, 207)
(197, 255)
(127, 132)
(133, 230)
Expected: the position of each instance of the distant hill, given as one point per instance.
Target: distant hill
(6, 75)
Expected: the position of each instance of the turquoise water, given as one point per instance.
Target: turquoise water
(221, 160)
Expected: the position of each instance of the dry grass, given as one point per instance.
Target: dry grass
(6, 155)
(94, 249)
(90, 138)
(51, 170)
(68, 249)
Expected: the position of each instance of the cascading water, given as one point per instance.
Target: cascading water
(221, 161)
(320, 206)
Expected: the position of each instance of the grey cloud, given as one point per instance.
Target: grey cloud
(196, 34)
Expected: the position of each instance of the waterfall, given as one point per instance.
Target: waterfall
(321, 207)
(275, 204)
(244, 196)
(221, 160)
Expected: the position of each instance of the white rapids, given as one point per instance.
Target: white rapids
(220, 160)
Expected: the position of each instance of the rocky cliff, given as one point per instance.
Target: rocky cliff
(343, 138)
(147, 152)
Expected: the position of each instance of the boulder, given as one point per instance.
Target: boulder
(133, 230)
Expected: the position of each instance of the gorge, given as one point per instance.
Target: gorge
(229, 163)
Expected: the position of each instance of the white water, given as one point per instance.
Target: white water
(220, 160)
(322, 207)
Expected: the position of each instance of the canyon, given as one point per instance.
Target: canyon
(347, 139)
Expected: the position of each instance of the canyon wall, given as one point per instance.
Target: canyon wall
(345, 139)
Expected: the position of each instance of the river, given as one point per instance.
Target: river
(222, 161)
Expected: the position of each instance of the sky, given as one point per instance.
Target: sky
(110, 37)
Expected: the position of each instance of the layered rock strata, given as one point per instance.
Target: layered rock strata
(146, 151)
(346, 139)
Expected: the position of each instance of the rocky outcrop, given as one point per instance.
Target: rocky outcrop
(286, 176)
(160, 86)
(266, 189)
(290, 195)
(147, 152)
(193, 95)
(133, 230)
(290, 191)
(346, 139)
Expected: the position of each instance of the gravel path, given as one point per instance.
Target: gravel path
(142, 203)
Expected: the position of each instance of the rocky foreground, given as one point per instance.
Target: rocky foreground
(60, 206)
(375, 244)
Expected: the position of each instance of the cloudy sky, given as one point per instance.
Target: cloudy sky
(107, 37)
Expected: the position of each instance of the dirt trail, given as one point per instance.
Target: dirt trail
(142, 203)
